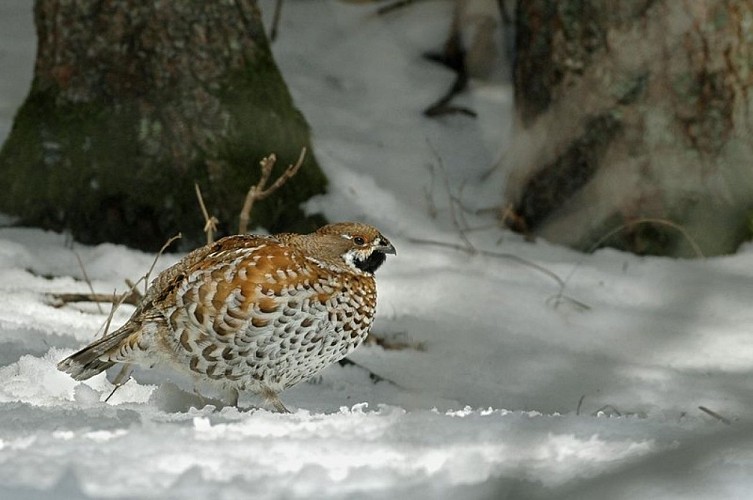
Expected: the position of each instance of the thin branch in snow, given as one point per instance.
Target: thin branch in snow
(210, 222)
(61, 299)
(154, 262)
(697, 249)
(557, 299)
(452, 199)
(133, 296)
(275, 21)
(375, 377)
(393, 344)
(714, 414)
(259, 191)
(580, 404)
(429, 192)
(86, 278)
(116, 302)
(649, 220)
(120, 379)
(501, 255)
(125, 371)
(482, 227)
(132, 286)
(398, 4)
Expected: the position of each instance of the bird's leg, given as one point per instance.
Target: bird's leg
(277, 404)
(121, 378)
(199, 395)
(231, 395)
(271, 398)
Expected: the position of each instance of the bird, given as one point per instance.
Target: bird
(256, 313)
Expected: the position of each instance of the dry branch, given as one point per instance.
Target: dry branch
(61, 299)
(86, 278)
(373, 376)
(123, 376)
(132, 296)
(125, 371)
(556, 300)
(649, 220)
(714, 414)
(210, 222)
(154, 262)
(259, 191)
(393, 344)
(275, 21)
(580, 404)
(399, 4)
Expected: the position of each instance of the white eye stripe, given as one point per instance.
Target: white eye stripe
(358, 240)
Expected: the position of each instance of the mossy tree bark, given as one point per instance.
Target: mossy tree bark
(634, 110)
(132, 102)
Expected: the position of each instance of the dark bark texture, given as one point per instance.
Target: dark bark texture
(629, 111)
(132, 102)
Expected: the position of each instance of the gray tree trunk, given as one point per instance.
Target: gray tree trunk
(132, 102)
(634, 110)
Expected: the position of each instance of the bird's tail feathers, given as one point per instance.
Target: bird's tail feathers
(96, 357)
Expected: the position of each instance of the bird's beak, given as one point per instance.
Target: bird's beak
(384, 246)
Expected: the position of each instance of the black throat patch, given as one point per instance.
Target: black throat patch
(370, 263)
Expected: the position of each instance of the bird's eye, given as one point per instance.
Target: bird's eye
(358, 240)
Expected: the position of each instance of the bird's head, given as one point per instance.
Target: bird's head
(359, 246)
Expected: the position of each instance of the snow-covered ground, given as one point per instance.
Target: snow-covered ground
(512, 393)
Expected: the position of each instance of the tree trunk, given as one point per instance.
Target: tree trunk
(630, 111)
(132, 102)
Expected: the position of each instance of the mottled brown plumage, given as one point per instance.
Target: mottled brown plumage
(255, 313)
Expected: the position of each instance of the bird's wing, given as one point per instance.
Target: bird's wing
(175, 274)
(243, 286)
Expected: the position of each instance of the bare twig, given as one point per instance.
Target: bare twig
(375, 377)
(86, 278)
(453, 200)
(116, 302)
(120, 379)
(131, 285)
(154, 262)
(398, 4)
(429, 193)
(259, 191)
(560, 297)
(133, 296)
(500, 255)
(394, 344)
(714, 414)
(210, 222)
(482, 227)
(124, 373)
(61, 299)
(580, 404)
(275, 20)
(648, 220)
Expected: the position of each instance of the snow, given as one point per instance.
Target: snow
(505, 392)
